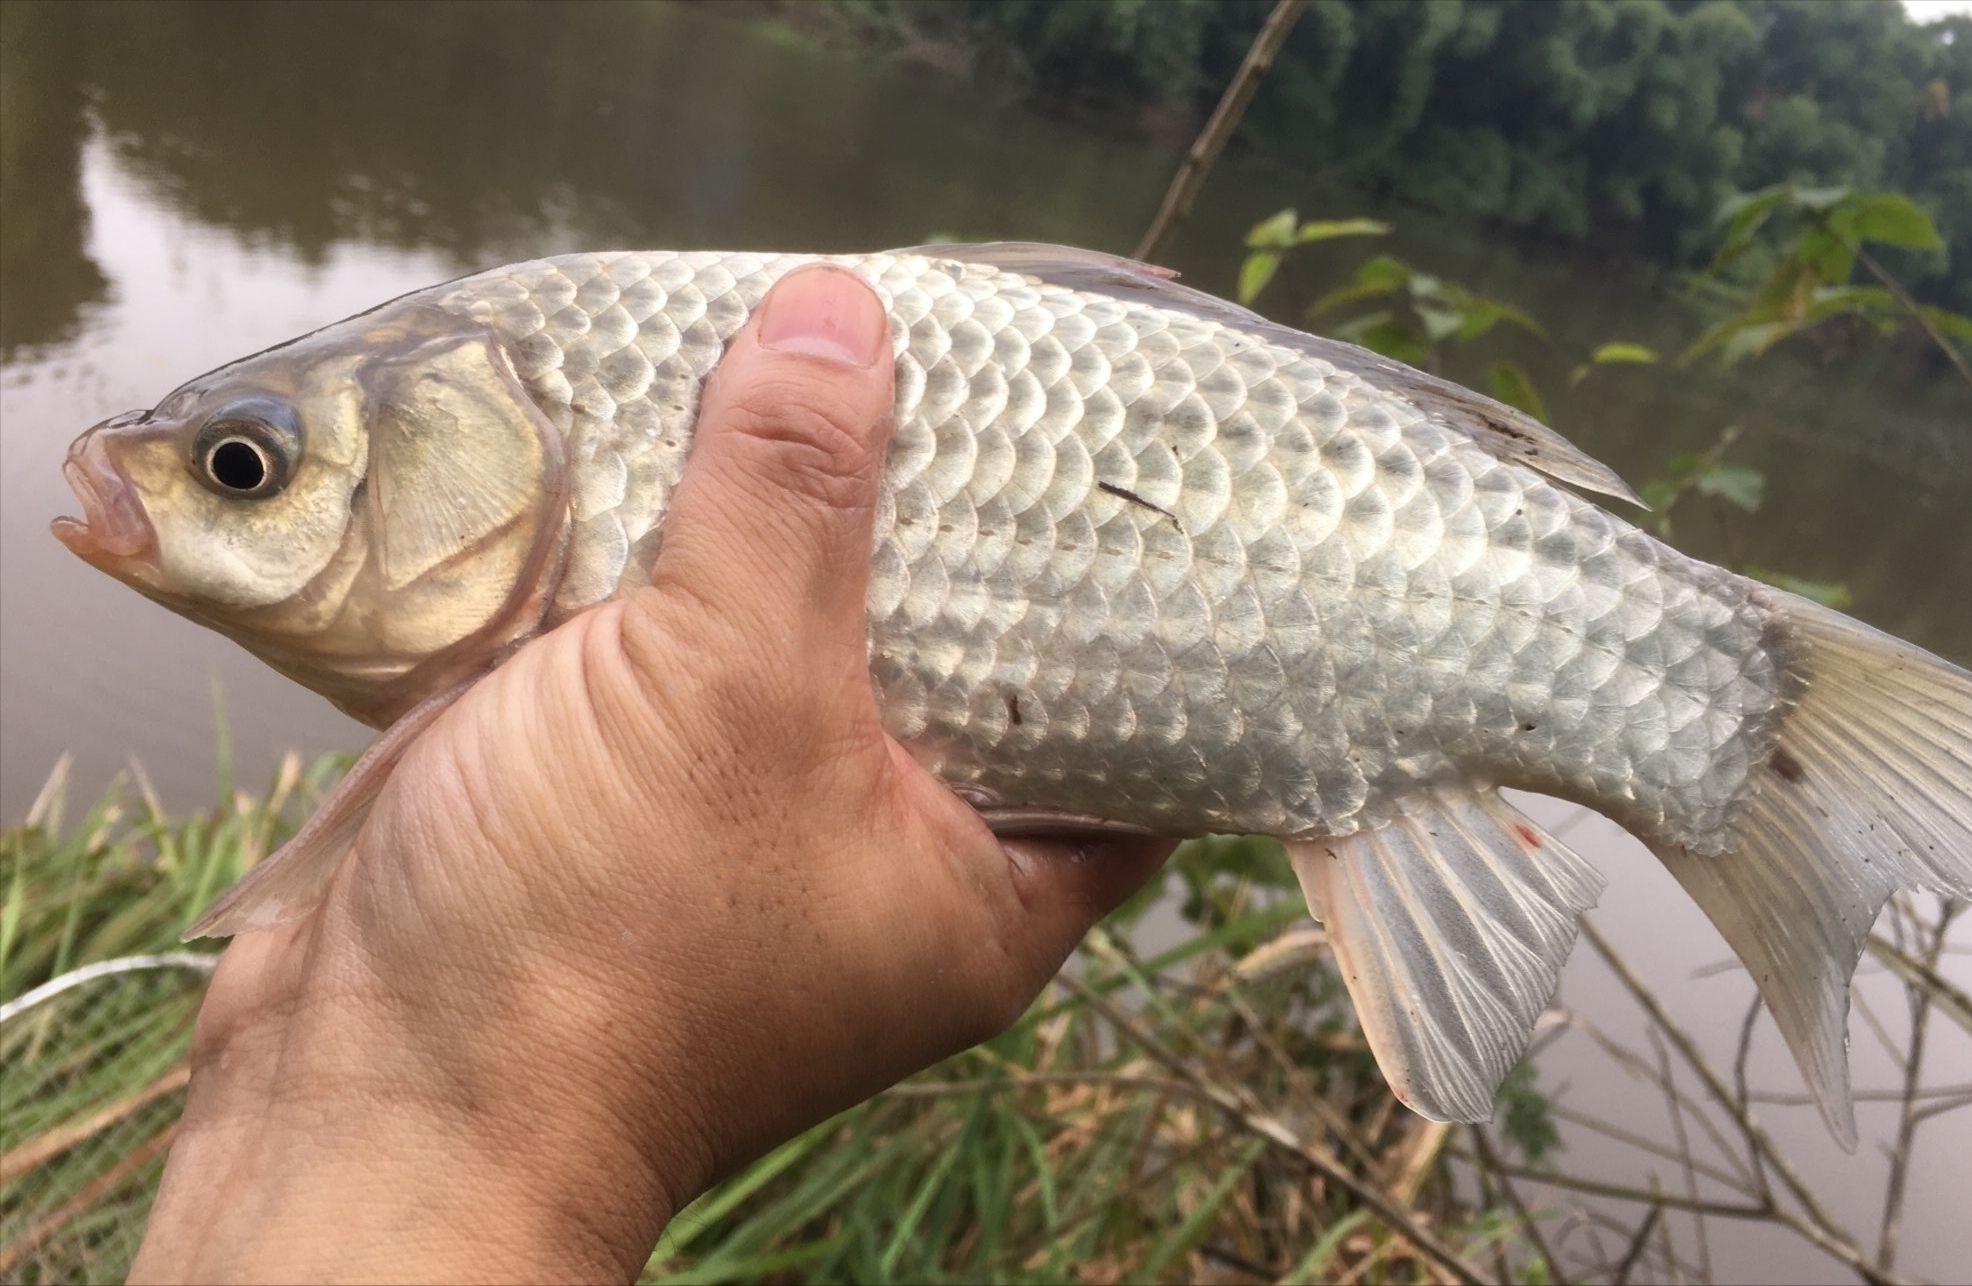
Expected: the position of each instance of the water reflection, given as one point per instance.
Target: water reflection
(44, 223)
(183, 185)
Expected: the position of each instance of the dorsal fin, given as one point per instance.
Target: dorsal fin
(1506, 433)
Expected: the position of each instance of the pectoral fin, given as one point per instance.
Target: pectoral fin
(289, 883)
(1451, 924)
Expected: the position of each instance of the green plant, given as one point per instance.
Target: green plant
(1815, 239)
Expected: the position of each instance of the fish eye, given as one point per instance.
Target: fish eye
(245, 451)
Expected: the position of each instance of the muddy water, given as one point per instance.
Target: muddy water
(186, 185)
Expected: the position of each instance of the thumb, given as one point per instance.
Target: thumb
(771, 524)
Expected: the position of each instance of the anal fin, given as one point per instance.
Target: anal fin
(1451, 923)
(288, 883)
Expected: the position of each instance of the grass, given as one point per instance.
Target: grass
(1206, 1111)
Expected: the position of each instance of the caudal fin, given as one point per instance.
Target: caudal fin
(1869, 791)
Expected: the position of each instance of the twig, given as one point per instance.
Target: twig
(1909, 305)
(52, 1143)
(1598, 1126)
(1818, 1226)
(1211, 141)
(1644, 1196)
(1915, 973)
(1685, 1159)
(95, 1190)
(1489, 1163)
(1281, 1137)
(1908, 1118)
(1628, 1263)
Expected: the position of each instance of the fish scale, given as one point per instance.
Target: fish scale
(1226, 586)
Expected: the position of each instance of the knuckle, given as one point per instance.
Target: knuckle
(807, 436)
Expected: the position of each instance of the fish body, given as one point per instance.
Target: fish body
(1228, 586)
(1142, 561)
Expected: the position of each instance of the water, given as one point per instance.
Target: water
(186, 185)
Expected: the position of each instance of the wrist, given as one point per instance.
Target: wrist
(339, 1128)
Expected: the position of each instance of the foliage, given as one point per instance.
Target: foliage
(1823, 235)
(1414, 316)
(1625, 121)
(1272, 238)
(1153, 1117)
(1206, 1111)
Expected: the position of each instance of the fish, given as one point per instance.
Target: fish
(1144, 562)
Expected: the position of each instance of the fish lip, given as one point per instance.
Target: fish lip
(113, 533)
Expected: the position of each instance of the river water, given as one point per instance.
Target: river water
(184, 185)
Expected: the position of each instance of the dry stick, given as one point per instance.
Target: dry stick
(1489, 1163)
(1745, 1052)
(1280, 1136)
(1915, 973)
(95, 1190)
(1685, 1159)
(1598, 1126)
(1624, 1057)
(1205, 149)
(1638, 1241)
(1818, 1227)
(1910, 306)
(1643, 1196)
(1920, 1021)
(52, 1143)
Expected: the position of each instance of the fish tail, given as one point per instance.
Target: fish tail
(1868, 791)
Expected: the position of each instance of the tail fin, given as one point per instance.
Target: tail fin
(1869, 791)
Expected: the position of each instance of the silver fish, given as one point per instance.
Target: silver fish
(1144, 561)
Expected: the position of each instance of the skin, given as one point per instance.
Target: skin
(655, 896)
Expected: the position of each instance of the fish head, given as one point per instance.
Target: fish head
(372, 509)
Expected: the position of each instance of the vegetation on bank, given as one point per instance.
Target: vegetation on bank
(1621, 123)
(1206, 1111)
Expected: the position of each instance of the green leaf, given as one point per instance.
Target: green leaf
(1751, 340)
(1255, 273)
(1393, 339)
(1827, 253)
(1832, 300)
(1892, 219)
(1276, 233)
(1329, 229)
(1828, 593)
(1384, 270)
(1440, 322)
(1499, 312)
(1342, 298)
(1527, 1121)
(1736, 483)
(1743, 216)
(1512, 385)
(1956, 325)
(1660, 494)
(1821, 200)
(1622, 351)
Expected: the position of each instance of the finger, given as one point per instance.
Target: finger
(772, 520)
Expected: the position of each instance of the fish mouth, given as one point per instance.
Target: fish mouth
(113, 532)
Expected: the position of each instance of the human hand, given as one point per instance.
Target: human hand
(654, 896)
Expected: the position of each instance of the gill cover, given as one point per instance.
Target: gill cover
(457, 453)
